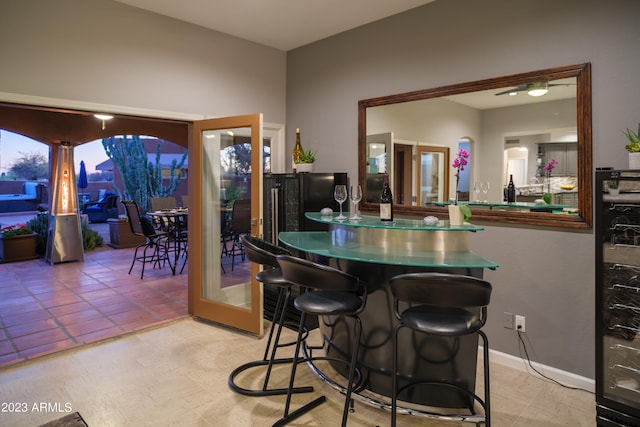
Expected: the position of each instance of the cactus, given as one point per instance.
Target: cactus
(142, 179)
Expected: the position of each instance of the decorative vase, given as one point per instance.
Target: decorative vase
(456, 217)
(18, 248)
(304, 167)
(634, 160)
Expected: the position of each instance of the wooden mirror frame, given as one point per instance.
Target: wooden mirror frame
(582, 73)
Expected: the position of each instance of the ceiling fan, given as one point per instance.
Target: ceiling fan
(533, 89)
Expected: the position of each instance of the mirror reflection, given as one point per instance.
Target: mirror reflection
(532, 128)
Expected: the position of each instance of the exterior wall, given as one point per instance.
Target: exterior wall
(546, 275)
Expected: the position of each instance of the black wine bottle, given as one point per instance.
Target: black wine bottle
(386, 202)
(511, 191)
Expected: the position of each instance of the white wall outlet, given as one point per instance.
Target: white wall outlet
(520, 323)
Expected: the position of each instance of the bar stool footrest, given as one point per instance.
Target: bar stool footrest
(301, 411)
(265, 392)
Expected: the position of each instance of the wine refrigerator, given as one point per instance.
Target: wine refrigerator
(617, 225)
(286, 198)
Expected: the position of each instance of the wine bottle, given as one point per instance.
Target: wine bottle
(511, 191)
(297, 151)
(386, 202)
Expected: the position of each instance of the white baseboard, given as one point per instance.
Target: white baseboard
(567, 378)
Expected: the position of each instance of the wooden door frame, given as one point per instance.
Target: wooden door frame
(236, 317)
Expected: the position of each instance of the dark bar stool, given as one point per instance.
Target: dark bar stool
(330, 292)
(264, 253)
(441, 305)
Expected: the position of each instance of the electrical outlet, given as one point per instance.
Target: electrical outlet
(507, 321)
(520, 323)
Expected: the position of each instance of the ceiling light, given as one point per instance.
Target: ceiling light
(103, 117)
(538, 89)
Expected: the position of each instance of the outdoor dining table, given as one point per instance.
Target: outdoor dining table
(175, 221)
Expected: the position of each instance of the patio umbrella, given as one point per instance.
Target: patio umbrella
(82, 178)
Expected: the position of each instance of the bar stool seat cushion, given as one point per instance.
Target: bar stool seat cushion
(328, 302)
(442, 321)
(272, 276)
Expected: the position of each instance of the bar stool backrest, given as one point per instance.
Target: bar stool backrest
(133, 213)
(317, 276)
(441, 289)
(262, 252)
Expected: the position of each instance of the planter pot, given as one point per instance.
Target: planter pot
(18, 248)
(455, 215)
(120, 235)
(634, 160)
(304, 167)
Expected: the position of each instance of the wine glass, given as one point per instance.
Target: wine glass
(340, 194)
(485, 190)
(477, 187)
(356, 196)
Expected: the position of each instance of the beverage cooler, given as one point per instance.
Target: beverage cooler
(617, 226)
(286, 198)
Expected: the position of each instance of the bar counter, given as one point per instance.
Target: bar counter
(375, 252)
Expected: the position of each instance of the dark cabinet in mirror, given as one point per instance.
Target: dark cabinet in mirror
(414, 137)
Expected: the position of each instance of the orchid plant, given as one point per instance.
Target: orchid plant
(547, 171)
(458, 164)
(15, 230)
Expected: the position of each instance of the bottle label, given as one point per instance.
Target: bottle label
(385, 211)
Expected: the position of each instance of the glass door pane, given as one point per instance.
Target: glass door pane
(433, 176)
(225, 289)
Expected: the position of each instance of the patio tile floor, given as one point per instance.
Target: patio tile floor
(45, 309)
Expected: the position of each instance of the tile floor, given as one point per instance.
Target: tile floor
(176, 375)
(45, 309)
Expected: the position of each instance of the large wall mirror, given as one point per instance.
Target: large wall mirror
(513, 126)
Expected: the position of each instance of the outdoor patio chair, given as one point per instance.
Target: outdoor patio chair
(103, 209)
(156, 241)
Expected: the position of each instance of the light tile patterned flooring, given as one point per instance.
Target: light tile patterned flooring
(176, 375)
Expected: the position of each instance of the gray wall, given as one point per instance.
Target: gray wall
(545, 274)
(101, 51)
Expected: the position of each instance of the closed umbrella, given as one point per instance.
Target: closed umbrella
(82, 178)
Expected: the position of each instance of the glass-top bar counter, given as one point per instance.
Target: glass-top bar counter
(375, 252)
(516, 206)
(405, 242)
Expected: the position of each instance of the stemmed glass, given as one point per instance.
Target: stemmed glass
(356, 196)
(485, 190)
(340, 194)
(477, 187)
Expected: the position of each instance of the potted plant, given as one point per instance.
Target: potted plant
(633, 147)
(17, 243)
(458, 214)
(306, 161)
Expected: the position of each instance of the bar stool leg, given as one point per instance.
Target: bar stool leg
(269, 357)
(487, 404)
(287, 417)
(352, 370)
(394, 376)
